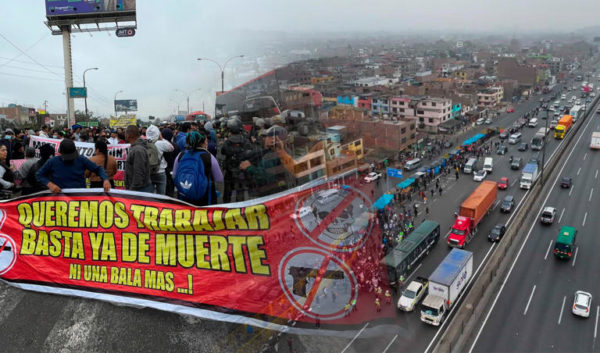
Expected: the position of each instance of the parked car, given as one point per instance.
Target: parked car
(479, 175)
(523, 146)
(510, 110)
(566, 182)
(497, 232)
(582, 303)
(501, 150)
(548, 215)
(507, 204)
(372, 176)
(503, 135)
(503, 183)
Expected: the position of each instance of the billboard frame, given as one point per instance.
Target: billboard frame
(92, 21)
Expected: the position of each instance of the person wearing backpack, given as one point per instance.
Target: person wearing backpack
(137, 167)
(157, 172)
(195, 172)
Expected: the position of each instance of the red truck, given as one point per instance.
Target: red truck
(472, 211)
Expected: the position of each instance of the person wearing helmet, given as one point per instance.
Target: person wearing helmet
(234, 150)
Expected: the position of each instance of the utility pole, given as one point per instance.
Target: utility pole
(85, 98)
(66, 34)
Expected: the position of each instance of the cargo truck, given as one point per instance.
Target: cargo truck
(537, 142)
(563, 126)
(446, 284)
(595, 143)
(471, 212)
(529, 175)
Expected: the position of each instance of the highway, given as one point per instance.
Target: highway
(533, 310)
(42, 322)
(410, 334)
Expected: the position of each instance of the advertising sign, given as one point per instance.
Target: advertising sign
(123, 121)
(303, 259)
(87, 149)
(126, 105)
(87, 8)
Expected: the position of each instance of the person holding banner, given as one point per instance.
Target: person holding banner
(68, 170)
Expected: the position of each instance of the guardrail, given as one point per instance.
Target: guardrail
(460, 330)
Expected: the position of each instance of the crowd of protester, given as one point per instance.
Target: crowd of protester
(157, 156)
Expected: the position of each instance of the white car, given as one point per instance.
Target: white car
(479, 175)
(412, 294)
(371, 177)
(582, 303)
(564, 96)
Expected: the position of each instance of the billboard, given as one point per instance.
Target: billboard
(125, 105)
(88, 8)
(123, 121)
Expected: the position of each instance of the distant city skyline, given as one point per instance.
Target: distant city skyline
(161, 58)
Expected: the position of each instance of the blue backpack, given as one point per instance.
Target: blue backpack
(190, 180)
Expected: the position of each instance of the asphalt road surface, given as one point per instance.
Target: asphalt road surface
(410, 334)
(533, 311)
(33, 322)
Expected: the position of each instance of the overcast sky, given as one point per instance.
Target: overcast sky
(172, 34)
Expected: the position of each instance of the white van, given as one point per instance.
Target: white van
(533, 122)
(488, 164)
(327, 196)
(412, 164)
(470, 166)
(514, 138)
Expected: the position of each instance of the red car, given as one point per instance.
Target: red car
(503, 183)
(510, 110)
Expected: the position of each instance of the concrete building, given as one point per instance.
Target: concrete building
(431, 112)
(490, 96)
(380, 106)
(18, 114)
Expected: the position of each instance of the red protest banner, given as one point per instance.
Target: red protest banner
(310, 255)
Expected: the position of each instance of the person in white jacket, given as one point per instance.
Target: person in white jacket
(159, 179)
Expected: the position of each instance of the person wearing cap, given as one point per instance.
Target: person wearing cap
(67, 171)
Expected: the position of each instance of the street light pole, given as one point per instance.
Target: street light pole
(115, 100)
(222, 68)
(187, 95)
(84, 86)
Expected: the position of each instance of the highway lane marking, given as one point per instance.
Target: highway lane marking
(495, 204)
(459, 298)
(412, 273)
(591, 193)
(355, 337)
(561, 214)
(596, 177)
(570, 192)
(596, 327)
(390, 344)
(561, 309)
(513, 183)
(585, 156)
(575, 257)
(578, 171)
(548, 251)
(584, 218)
(529, 301)
(489, 313)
